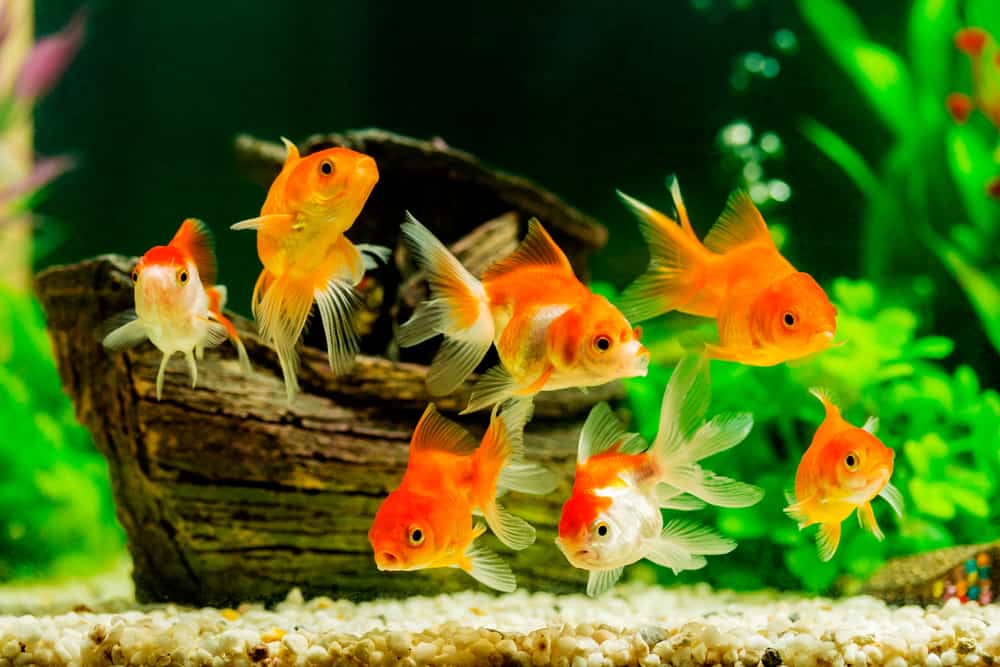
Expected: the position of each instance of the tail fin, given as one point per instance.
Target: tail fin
(458, 308)
(676, 263)
(216, 302)
(281, 306)
(684, 439)
(501, 445)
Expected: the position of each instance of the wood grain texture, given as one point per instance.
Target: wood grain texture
(226, 494)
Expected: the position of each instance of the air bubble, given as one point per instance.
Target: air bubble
(737, 134)
(754, 62)
(760, 193)
(786, 41)
(752, 172)
(770, 143)
(779, 190)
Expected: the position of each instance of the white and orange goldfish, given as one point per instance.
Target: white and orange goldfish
(767, 312)
(613, 518)
(427, 521)
(177, 305)
(843, 470)
(550, 330)
(306, 257)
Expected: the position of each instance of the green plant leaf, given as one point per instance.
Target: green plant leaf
(931, 347)
(876, 71)
(843, 155)
(981, 290)
(970, 160)
(932, 26)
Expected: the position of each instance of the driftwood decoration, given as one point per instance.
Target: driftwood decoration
(226, 493)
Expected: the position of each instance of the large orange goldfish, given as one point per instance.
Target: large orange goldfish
(306, 257)
(427, 521)
(984, 55)
(550, 330)
(177, 305)
(767, 312)
(613, 518)
(844, 469)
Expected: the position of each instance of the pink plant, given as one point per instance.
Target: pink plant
(48, 59)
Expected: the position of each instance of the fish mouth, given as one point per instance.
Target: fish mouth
(640, 363)
(386, 561)
(871, 487)
(822, 339)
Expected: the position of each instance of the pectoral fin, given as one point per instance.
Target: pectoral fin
(488, 568)
(494, 386)
(601, 581)
(275, 223)
(827, 540)
(867, 518)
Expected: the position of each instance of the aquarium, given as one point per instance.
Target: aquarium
(371, 333)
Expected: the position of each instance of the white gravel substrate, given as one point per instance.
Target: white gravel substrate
(637, 625)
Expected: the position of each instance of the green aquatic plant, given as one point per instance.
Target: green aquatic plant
(943, 427)
(56, 511)
(931, 177)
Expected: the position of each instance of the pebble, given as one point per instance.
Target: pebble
(637, 625)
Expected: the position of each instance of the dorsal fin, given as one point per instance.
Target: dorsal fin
(833, 422)
(602, 431)
(537, 249)
(740, 223)
(291, 151)
(195, 239)
(434, 432)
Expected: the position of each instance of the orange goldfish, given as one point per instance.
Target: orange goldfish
(613, 518)
(550, 330)
(844, 468)
(177, 305)
(306, 257)
(765, 310)
(427, 521)
(984, 55)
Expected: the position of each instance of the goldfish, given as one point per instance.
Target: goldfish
(843, 469)
(766, 311)
(550, 330)
(612, 517)
(984, 56)
(427, 522)
(312, 202)
(178, 306)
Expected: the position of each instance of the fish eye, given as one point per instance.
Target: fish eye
(182, 276)
(789, 319)
(852, 461)
(602, 343)
(326, 167)
(602, 529)
(416, 537)
(135, 276)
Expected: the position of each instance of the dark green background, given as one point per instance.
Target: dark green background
(579, 96)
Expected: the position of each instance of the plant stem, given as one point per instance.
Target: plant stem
(16, 153)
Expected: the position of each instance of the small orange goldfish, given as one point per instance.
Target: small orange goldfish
(984, 55)
(766, 311)
(306, 257)
(844, 468)
(550, 330)
(427, 521)
(613, 518)
(177, 305)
